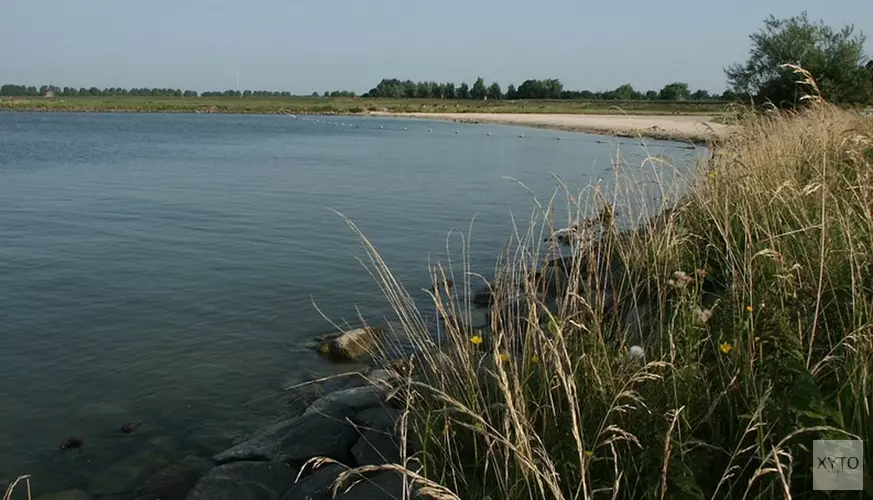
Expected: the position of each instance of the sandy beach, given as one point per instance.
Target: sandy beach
(674, 127)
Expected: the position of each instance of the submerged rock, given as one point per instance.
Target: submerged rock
(298, 439)
(245, 481)
(352, 344)
(127, 474)
(176, 480)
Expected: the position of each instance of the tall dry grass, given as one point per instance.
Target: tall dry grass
(694, 356)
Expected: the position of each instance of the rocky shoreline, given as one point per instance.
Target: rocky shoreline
(300, 457)
(332, 428)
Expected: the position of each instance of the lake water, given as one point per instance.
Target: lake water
(165, 268)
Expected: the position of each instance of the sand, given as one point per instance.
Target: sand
(676, 127)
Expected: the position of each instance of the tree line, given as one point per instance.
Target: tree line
(532, 89)
(834, 58)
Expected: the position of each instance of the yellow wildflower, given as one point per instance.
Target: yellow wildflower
(504, 357)
(534, 359)
(589, 453)
(725, 347)
(749, 308)
(476, 339)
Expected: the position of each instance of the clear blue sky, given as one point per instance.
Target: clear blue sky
(307, 45)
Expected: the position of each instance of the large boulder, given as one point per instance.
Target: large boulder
(378, 419)
(377, 448)
(62, 495)
(317, 485)
(299, 439)
(352, 344)
(382, 486)
(245, 481)
(174, 481)
(354, 400)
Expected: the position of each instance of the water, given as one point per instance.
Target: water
(165, 267)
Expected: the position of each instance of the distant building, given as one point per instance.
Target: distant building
(49, 93)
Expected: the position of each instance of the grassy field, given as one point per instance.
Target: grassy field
(317, 105)
(696, 357)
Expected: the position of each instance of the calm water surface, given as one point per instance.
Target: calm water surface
(165, 267)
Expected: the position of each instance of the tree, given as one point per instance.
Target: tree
(624, 92)
(675, 91)
(422, 90)
(700, 95)
(651, 95)
(511, 93)
(449, 91)
(495, 92)
(463, 91)
(479, 91)
(835, 60)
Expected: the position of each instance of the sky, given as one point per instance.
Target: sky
(305, 45)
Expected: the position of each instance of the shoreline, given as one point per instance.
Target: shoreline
(680, 128)
(694, 129)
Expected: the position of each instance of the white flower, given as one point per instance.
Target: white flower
(636, 353)
(703, 315)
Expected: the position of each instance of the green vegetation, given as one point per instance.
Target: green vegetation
(693, 354)
(835, 59)
(344, 106)
(534, 89)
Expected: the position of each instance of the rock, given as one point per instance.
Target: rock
(352, 344)
(298, 439)
(165, 444)
(377, 448)
(300, 398)
(317, 485)
(127, 474)
(245, 481)
(384, 486)
(174, 481)
(483, 297)
(66, 495)
(381, 376)
(379, 419)
(356, 399)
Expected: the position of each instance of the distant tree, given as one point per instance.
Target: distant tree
(463, 91)
(495, 92)
(540, 89)
(315, 94)
(422, 90)
(479, 91)
(247, 93)
(651, 95)
(729, 95)
(436, 90)
(834, 58)
(700, 95)
(449, 91)
(511, 93)
(675, 91)
(625, 92)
